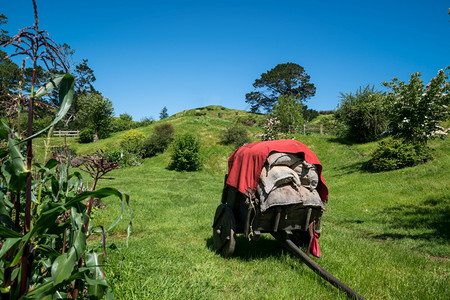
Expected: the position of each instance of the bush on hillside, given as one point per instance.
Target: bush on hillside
(86, 135)
(159, 140)
(186, 154)
(364, 114)
(397, 154)
(236, 136)
(133, 142)
(122, 157)
(123, 122)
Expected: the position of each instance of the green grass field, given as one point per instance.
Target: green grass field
(386, 235)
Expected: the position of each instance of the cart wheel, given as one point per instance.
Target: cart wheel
(224, 231)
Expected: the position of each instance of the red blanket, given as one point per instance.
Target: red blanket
(246, 163)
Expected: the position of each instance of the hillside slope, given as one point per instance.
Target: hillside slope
(386, 235)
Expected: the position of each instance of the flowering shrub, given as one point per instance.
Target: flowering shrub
(416, 111)
(271, 129)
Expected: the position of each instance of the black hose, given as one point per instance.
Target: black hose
(319, 270)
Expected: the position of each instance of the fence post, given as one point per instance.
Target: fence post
(321, 129)
(304, 129)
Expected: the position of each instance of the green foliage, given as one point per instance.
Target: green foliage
(43, 247)
(186, 154)
(272, 130)
(95, 112)
(86, 135)
(123, 122)
(133, 142)
(287, 79)
(163, 114)
(309, 114)
(159, 140)
(364, 114)
(289, 112)
(9, 78)
(417, 111)
(397, 154)
(122, 157)
(236, 136)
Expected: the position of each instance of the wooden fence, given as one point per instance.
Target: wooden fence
(68, 133)
(313, 128)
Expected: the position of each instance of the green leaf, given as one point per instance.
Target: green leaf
(105, 192)
(6, 232)
(3, 133)
(51, 84)
(8, 244)
(18, 161)
(40, 291)
(66, 92)
(9, 130)
(63, 265)
(96, 278)
(51, 163)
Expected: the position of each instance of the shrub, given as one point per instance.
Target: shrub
(417, 110)
(86, 135)
(271, 130)
(130, 159)
(186, 154)
(236, 136)
(289, 112)
(133, 141)
(113, 155)
(364, 114)
(159, 140)
(123, 122)
(397, 154)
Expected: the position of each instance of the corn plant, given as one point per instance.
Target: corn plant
(43, 248)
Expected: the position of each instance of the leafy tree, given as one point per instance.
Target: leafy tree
(289, 112)
(85, 78)
(3, 33)
(416, 111)
(309, 114)
(9, 79)
(163, 114)
(123, 122)
(363, 113)
(287, 79)
(95, 112)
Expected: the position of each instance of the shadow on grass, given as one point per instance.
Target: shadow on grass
(429, 220)
(358, 167)
(341, 140)
(249, 250)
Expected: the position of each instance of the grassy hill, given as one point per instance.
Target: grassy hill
(386, 235)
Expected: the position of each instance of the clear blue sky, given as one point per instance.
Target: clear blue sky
(189, 54)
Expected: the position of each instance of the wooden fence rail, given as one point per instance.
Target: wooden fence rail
(69, 133)
(312, 128)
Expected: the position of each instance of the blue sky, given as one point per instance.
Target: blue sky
(189, 54)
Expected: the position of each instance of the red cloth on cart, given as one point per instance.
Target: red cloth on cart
(246, 163)
(314, 249)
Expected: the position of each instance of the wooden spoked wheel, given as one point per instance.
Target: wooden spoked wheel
(224, 231)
